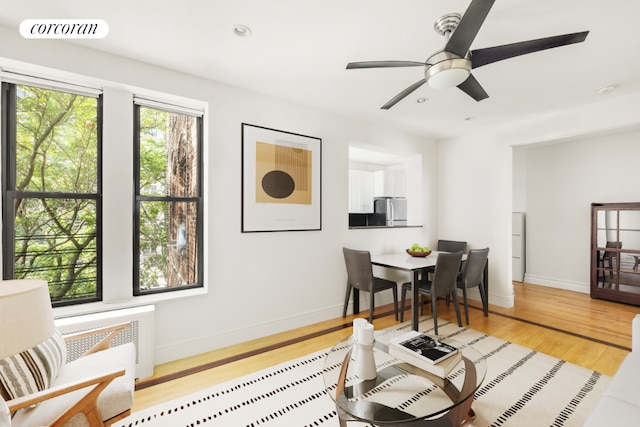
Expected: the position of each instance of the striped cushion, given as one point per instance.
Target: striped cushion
(34, 369)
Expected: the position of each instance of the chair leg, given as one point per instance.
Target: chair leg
(395, 301)
(423, 303)
(372, 304)
(456, 306)
(434, 309)
(466, 304)
(483, 298)
(403, 299)
(346, 300)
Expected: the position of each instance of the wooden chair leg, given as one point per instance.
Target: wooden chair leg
(88, 405)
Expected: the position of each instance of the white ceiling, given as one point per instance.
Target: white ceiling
(299, 49)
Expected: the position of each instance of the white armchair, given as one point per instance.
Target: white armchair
(620, 402)
(93, 390)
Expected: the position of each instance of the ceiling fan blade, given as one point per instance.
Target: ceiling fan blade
(382, 64)
(480, 57)
(462, 37)
(472, 88)
(399, 97)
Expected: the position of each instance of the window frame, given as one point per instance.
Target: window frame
(139, 198)
(9, 193)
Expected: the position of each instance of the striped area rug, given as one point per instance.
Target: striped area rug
(522, 388)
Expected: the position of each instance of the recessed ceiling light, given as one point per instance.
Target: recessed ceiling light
(421, 100)
(241, 30)
(606, 89)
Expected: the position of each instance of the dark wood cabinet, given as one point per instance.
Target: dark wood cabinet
(615, 252)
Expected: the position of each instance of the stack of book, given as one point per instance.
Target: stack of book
(425, 352)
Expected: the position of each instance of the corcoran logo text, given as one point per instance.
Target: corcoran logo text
(64, 28)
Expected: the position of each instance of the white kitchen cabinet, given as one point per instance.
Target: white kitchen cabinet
(361, 183)
(391, 182)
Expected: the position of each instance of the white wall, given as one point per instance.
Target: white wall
(259, 283)
(563, 180)
(519, 183)
(477, 178)
(474, 205)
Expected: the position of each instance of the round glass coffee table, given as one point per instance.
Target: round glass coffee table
(401, 393)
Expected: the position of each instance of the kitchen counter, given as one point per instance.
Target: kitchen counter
(372, 220)
(368, 227)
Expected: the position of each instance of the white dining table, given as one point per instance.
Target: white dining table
(415, 265)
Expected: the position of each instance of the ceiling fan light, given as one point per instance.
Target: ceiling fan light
(448, 78)
(448, 71)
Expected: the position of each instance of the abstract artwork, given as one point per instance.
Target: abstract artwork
(281, 181)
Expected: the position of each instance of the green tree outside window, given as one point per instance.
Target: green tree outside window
(52, 190)
(168, 200)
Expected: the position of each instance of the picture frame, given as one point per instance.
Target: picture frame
(281, 180)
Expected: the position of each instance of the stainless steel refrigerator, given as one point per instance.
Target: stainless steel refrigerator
(392, 209)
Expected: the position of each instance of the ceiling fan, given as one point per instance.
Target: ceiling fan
(452, 65)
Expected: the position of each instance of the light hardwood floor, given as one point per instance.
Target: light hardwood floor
(592, 333)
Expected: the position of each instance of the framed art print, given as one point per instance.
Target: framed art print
(281, 180)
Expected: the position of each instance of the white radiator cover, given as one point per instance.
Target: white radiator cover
(141, 333)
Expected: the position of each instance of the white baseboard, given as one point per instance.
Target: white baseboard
(500, 300)
(182, 349)
(552, 282)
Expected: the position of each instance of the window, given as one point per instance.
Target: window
(168, 244)
(52, 190)
(101, 203)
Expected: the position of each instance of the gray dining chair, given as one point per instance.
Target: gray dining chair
(444, 284)
(447, 246)
(452, 246)
(472, 276)
(360, 278)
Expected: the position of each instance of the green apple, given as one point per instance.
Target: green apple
(426, 249)
(415, 246)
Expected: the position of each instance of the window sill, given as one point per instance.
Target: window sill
(102, 306)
